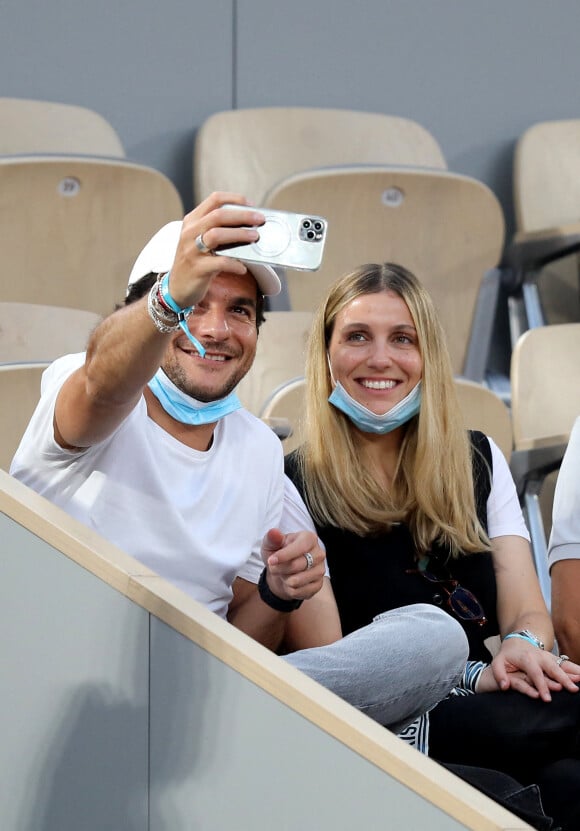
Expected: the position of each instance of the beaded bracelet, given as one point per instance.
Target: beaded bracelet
(163, 320)
(159, 296)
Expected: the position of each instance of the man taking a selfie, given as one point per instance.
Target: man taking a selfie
(143, 439)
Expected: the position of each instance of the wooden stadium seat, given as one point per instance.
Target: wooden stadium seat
(33, 332)
(71, 227)
(545, 385)
(251, 150)
(446, 228)
(280, 356)
(19, 393)
(543, 286)
(483, 410)
(28, 126)
(546, 176)
(545, 380)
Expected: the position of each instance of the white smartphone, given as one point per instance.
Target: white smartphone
(288, 240)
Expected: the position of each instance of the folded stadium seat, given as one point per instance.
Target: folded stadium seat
(284, 412)
(446, 228)
(280, 356)
(481, 409)
(545, 379)
(28, 126)
(33, 332)
(71, 227)
(484, 410)
(20, 386)
(542, 281)
(248, 151)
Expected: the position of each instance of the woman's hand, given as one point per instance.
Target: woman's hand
(524, 667)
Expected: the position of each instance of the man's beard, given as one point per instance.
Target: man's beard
(177, 375)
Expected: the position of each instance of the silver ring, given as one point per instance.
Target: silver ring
(201, 246)
(309, 560)
(561, 659)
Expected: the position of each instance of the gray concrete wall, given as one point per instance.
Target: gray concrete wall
(475, 74)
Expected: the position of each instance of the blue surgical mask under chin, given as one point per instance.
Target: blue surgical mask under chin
(370, 422)
(184, 408)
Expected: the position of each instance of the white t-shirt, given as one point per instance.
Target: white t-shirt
(565, 536)
(197, 518)
(504, 513)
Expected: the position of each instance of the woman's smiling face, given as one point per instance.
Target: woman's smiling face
(374, 350)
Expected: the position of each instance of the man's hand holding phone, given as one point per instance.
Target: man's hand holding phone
(286, 239)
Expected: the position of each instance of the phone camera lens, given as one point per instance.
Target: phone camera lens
(306, 223)
(318, 226)
(310, 235)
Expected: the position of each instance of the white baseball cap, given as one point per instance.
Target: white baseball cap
(159, 253)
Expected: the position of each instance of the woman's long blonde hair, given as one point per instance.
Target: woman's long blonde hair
(432, 488)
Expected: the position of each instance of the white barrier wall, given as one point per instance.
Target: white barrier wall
(125, 705)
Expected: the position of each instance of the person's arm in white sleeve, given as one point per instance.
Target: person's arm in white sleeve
(519, 664)
(564, 550)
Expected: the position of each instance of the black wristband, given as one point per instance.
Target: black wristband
(272, 600)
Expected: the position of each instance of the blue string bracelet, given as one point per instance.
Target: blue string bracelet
(182, 314)
(526, 635)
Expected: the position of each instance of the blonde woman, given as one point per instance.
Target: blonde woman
(412, 508)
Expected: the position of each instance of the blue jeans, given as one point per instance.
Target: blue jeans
(396, 668)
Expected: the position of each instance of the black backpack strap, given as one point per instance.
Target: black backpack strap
(293, 471)
(291, 467)
(482, 472)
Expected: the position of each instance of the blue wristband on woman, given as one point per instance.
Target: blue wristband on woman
(526, 635)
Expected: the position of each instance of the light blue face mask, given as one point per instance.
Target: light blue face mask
(370, 422)
(184, 408)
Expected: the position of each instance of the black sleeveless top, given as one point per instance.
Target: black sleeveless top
(371, 575)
